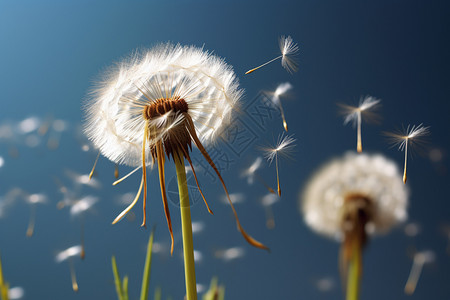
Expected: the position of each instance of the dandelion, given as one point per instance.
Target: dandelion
(275, 98)
(68, 254)
(354, 115)
(33, 200)
(420, 259)
(156, 104)
(288, 50)
(412, 136)
(284, 146)
(251, 173)
(351, 198)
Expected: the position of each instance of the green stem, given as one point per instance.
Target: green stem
(186, 228)
(354, 276)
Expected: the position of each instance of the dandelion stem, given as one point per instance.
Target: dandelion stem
(95, 164)
(278, 177)
(358, 142)
(414, 274)
(186, 228)
(406, 157)
(73, 276)
(354, 272)
(30, 228)
(266, 63)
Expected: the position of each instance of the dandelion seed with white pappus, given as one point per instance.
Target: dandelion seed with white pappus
(412, 136)
(68, 254)
(156, 104)
(289, 51)
(285, 146)
(351, 198)
(282, 89)
(419, 260)
(251, 173)
(354, 115)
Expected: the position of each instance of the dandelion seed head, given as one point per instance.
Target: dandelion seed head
(285, 146)
(249, 173)
(352, 113)
(288, 50)
(373, 176)
(16, 293)
(114, 114)
(412, 134)
(282, 88)
(36, 198)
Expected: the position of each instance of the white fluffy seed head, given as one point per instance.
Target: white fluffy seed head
(288, 50)
(114, 112)
(372, 176)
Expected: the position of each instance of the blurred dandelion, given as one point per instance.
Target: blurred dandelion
(68, 255)
(155, 105)
(354, 115)
(412, 136)
(420, 259)
(282, 89)
(34, 200)
(251, 173)
(289, 51)
(284, 147)
(351, 198)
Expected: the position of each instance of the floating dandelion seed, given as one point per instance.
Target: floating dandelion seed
(68, 254)
(420, 258)
(275, 97)
(350, 199)
(33, 200)
(284, 146)
(267, 201)
(354, 115)
(155, 105)
(251, 173)
(79, 208)
(413, 135)
(230, 254)
(288, 50)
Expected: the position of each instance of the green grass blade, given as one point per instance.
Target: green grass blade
(4, 287)
(157, 295)
(147, 268)
(125, 287)
(117, 279)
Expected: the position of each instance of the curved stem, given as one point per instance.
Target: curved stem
(186, 228)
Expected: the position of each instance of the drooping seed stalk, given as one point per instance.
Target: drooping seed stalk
(186, 228)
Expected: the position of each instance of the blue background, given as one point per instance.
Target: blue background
(51, 53)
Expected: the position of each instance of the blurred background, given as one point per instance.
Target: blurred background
(53, 52)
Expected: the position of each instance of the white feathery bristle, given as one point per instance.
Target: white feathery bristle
(368, 102)
(284, 146)
(288, 50)
(69, 252)
(114, 113)
(417, 131)
(374, 176)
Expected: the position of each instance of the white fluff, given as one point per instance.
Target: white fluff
(114, 121)
(371, 175)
